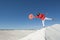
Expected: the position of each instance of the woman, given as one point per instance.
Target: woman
(40, 16)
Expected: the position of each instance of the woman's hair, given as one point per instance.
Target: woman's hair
(38, 14)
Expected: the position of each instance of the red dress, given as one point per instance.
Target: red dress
(41, 16)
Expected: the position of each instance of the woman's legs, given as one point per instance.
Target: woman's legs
(43, 23)
(48, 18)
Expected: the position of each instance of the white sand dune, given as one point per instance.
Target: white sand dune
(53, 32)
(14, 34)
(38, 35)
(48, 33)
